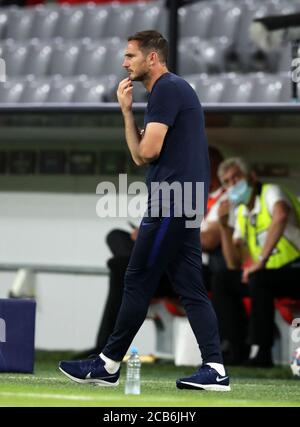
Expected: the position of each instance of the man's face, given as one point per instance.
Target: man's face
(135, 62)
(232, 176)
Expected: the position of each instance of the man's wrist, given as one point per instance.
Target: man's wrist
(126, 112)
(224, 223)
(263, 258)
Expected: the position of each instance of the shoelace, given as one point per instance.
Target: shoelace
(93, 356)
(207, 368)
(94, 360)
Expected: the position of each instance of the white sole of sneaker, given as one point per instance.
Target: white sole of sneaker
(210, 387)
(94, 381)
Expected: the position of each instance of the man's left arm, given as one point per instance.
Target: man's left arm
(210, 237)
(280, 216)
(162, 112)
(152, 141)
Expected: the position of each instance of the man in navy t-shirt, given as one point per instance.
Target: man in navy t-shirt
(174, 147)
(183, 157)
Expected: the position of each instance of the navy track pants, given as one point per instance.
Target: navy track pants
(165, 244)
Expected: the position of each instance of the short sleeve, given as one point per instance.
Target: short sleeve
(273, 195)
(212, 215)
(237, 232)
(164, 104)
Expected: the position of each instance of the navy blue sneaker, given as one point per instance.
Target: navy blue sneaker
(206, 378)
(89, 371)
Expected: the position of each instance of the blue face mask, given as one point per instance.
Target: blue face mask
(240, 193)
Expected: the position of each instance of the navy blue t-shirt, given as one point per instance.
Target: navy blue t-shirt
(184, 154)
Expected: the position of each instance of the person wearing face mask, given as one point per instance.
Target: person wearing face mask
(261, 246)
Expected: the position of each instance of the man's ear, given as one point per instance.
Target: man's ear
(153, 58)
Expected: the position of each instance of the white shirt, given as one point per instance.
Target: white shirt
(212, 216)
(273, 195)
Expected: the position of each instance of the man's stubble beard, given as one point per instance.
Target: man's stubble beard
(141, 77)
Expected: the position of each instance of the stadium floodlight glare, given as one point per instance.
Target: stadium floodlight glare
(272, 32)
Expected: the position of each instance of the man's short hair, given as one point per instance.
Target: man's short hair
(229, 163)
(152, 40)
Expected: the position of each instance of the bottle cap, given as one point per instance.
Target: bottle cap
(134, 350)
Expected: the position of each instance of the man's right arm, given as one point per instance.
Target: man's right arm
(144, 149)
(232, 249)
(210, 237)
(133, 136)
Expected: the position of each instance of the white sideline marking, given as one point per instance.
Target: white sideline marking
(26, 377)
(64, 397)
(46, 396)
(61, 379)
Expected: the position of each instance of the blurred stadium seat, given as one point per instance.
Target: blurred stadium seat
(11, 91)
(145, 16)
(96, 90)
(35, 91)
(208, 88)
(44, 23)
(61, 90)
(69, 22)
(226, 20)
(94, 22)
(89, 40)
(89, 91)
(189, 60)
(20, 22)
(63, 59)
(118, 23)
(14, 54)
(252, 87)
(266, 89)
(91, 59)
(37, 59)
(3, 22)
(161, 24)
(114, 57)
(196, 20)
(236, 88)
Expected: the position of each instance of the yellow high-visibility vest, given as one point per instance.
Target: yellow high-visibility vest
(255, 228)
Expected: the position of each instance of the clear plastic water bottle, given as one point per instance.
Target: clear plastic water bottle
(133, 373)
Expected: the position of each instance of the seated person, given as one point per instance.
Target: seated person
(266, 229)
(121, 244)
(212, 257)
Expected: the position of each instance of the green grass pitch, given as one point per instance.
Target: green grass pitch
(48, 387)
